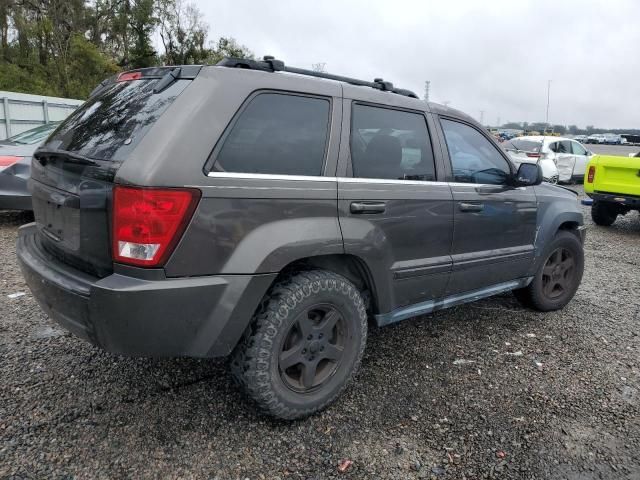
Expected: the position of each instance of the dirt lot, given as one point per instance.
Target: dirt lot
(486, 390)
(622, 150)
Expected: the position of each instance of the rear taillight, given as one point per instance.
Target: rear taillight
(8, 160)
(149, 222)
(592, 174)
(533, 155)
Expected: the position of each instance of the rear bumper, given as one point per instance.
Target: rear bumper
(623, 200)
(195, 317)
(11, 201)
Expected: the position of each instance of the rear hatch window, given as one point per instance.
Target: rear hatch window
(109, 125)
(523, 145)
(72, 173)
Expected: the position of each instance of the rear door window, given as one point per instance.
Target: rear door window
(277, 133)
(563, 147)
(390, 144)
(111, 124)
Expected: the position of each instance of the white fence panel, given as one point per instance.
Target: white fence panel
(20, 111)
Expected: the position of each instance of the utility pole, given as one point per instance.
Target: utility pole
(548, 99)
(498, 122)
(427, 85)
(481, 117)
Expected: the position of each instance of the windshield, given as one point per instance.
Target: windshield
(35, 135)
(523, 145)
(109, 125)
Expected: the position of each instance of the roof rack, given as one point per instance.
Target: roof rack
(270, 64)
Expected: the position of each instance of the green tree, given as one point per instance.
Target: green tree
(183, 32)
(66, 47)
(87, 67)
(228, 47)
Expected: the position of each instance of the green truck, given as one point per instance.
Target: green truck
(613, 182)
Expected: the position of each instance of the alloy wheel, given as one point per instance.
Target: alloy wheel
(313, 348)
(558, 273)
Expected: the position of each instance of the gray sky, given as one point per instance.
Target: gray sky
(494, 56)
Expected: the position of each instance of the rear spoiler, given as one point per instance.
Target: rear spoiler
(168, 74)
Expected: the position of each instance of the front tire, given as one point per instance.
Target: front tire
(304, 344)
(603, 213)
(558, 276)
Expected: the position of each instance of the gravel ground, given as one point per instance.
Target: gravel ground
(485, 390)
(623, 150)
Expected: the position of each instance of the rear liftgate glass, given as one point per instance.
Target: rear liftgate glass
(73, 175)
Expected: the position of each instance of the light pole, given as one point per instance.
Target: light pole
(548, 98)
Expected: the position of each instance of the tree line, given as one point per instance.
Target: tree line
(66, 47)
(566, 130)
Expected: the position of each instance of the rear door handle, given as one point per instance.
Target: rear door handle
(470, 207)
(368, 207)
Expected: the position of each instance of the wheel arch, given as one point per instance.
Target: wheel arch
(552, 221)
(570, 226)
(352, 267)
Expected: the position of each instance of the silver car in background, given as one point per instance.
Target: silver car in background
(15, 166)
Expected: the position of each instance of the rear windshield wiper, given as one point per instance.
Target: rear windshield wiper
(73, 157)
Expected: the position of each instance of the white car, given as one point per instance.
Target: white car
(612, 139)
(523, 150)
(569, 157)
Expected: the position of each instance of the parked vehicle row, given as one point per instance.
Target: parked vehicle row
(606, 139)
(253, 210)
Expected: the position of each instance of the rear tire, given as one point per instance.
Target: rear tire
(603, 213)
(558, 276)
(304, 345)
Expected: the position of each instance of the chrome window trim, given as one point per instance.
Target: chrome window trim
(271, 176)
(388, 181)
(310, 178)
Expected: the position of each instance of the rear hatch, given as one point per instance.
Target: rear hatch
(73, 172)
(617, 175)
(523, 151)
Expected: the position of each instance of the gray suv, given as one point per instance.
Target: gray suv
(273, 214)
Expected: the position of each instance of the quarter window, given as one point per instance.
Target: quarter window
(277, 134)
(390, 144)
(474, 159)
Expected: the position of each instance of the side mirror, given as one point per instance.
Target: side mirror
(528, 174)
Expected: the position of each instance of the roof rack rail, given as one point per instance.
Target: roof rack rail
(270, 64)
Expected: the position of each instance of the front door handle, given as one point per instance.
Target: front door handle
(368, 207)
(470, 207)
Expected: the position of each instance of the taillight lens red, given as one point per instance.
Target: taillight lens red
(8, 160)
(533, 155)
(592, 174)
(149, 222)
(128, 76)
